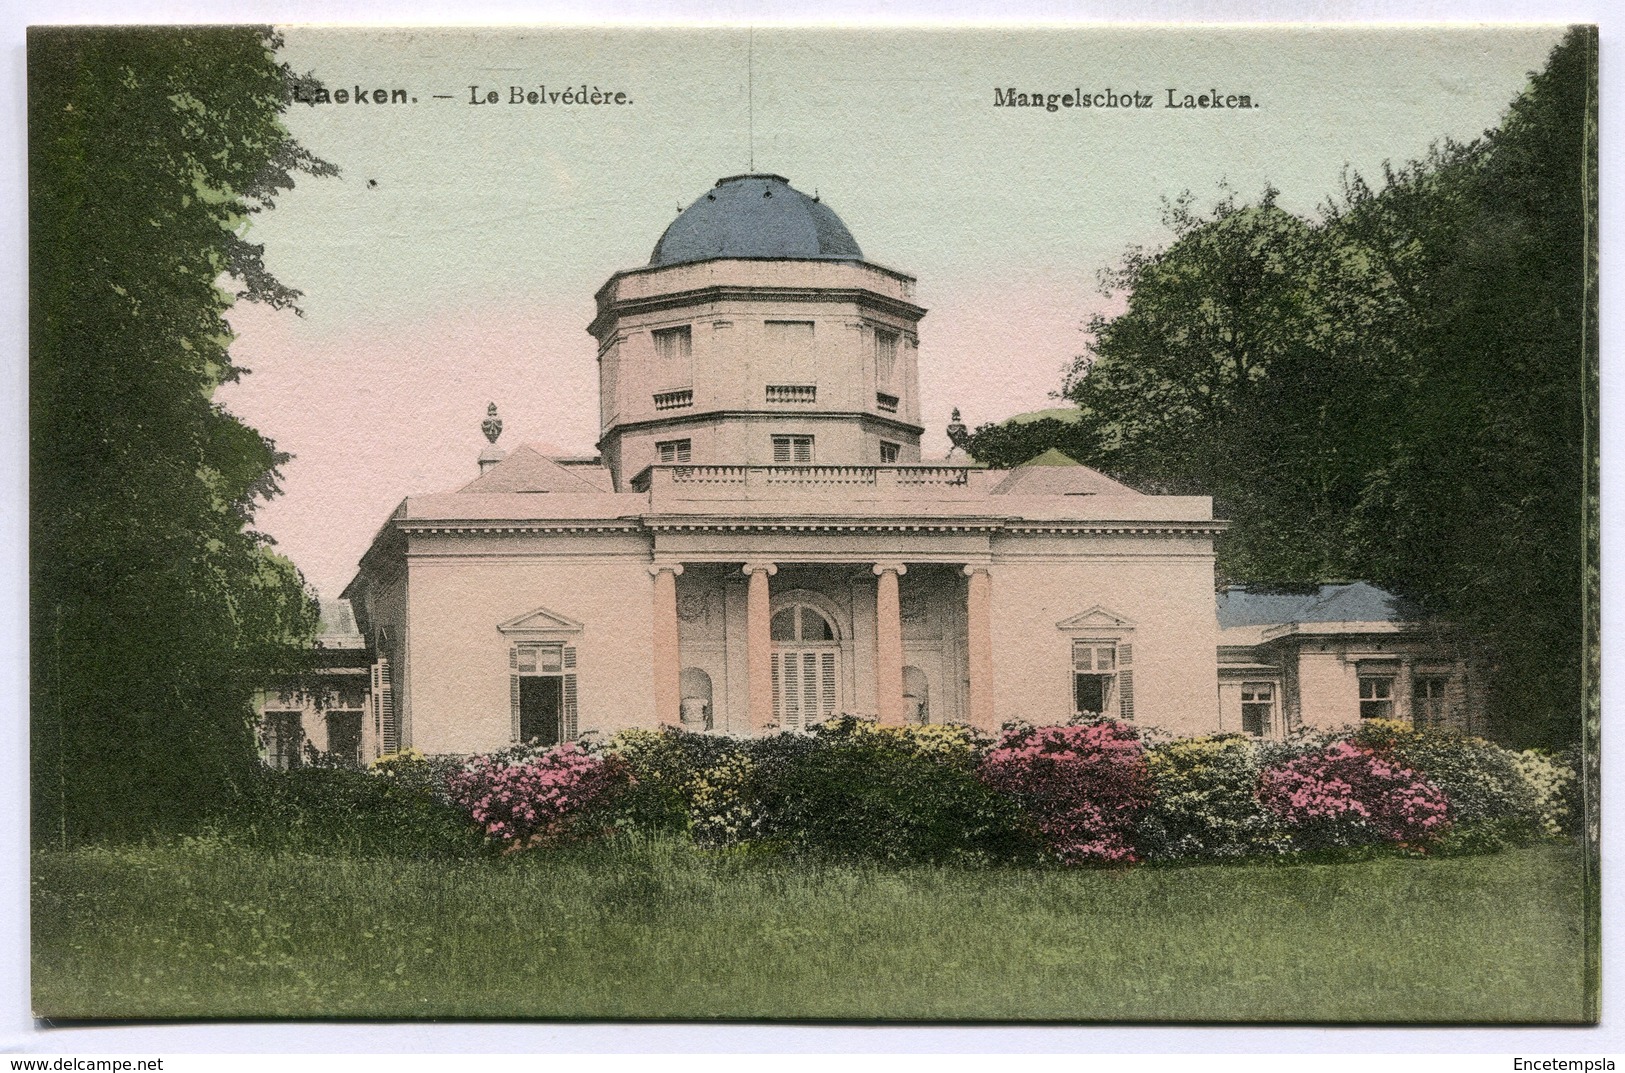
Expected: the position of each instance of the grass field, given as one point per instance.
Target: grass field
(655, 930)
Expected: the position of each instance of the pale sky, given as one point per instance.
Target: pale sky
(455, 261)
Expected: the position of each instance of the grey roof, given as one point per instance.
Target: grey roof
(337, 628)
(758, 217)
(530, 469)
(1354, 602)
(1055, 473)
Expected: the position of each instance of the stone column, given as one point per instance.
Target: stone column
(666, 653)
(888, 644)
(979, 646)
(759, 646)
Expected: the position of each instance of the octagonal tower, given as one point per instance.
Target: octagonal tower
(757, 334)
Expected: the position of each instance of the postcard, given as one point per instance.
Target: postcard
(1054, 524)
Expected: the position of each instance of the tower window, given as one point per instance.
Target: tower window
(675, 450)
(888, 452)
(792, 450)
(674, 344)
(885, 354)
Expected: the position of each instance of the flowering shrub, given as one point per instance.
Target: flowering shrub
(1206, 802)
(859, 791)
(531, 798)
(1551, 783)
(1084, 786)
(665, 767)
(722, 804)
(1481, 780)
(953, 743)
(1347, 795)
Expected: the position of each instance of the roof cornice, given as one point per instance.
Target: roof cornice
(609, 311)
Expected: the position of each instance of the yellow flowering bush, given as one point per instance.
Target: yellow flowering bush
(393, 762)
(721, 804)
(953, 743)
(1552, 782)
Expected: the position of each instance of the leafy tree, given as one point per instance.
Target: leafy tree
(1401, 390)
(1010, 443)
(154, 605)
(1484, 508)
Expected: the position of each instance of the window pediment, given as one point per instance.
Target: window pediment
(1097, 617)
(540, 623)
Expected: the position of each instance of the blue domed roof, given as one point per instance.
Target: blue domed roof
(755, 216)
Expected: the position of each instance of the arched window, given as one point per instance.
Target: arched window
(806, 666)
(802, 622)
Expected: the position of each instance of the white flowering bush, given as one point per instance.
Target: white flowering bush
(1206, 802)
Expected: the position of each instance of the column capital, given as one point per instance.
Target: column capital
(768, 568)
(972, 569)
(656, 568)
(896, 568)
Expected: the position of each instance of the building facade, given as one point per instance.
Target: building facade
(1335, 656)
(758, 544)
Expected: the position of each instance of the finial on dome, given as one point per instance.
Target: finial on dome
(492, 425)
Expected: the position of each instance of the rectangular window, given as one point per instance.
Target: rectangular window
(1258, 708)
(792, 450)
(284, 740)
(344, 737)
(675, 450)
(1094, 677)
(888, 452)
(674, 344)
(885, 355)
(1427, 701)
(1376, 697)
(542, 692)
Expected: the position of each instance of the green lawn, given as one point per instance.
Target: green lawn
(658, 931)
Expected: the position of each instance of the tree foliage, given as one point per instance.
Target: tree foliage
(1401, 389)
(154, 604)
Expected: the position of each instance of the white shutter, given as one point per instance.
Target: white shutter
(568, 730)
(827, 677)
(1125, 680)
(778, 689)
(391, 728)
(513, 693)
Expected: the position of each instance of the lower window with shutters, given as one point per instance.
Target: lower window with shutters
(1102, 679)
(542, 692)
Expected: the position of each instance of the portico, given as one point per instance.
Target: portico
(814, 639)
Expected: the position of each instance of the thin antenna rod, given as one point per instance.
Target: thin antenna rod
(750, 95)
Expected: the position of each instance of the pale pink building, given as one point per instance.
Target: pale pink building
(758, 543)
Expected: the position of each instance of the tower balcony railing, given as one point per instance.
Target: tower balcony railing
(712, 481)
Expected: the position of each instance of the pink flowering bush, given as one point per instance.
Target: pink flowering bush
(525, 799)
(1347, 795)
(1085, 787)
